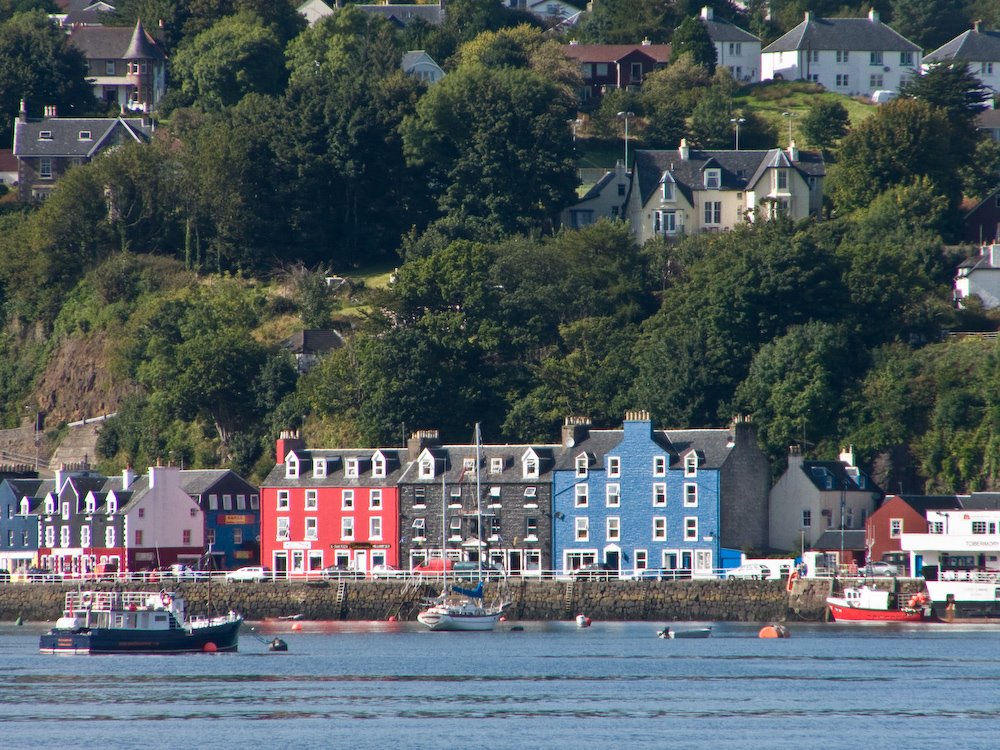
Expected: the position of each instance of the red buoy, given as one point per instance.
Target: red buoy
(392, 618)
(296, 626)
(209, 648)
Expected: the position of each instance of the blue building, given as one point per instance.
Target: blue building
(636, 498)
(231, 506)
(20, 500)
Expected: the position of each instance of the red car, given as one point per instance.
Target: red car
(435, 567)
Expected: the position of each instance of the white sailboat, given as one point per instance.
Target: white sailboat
(461, 608)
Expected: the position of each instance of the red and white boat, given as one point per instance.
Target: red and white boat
(870, 604)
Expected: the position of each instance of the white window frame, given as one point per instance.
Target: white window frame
(347, 527)
(659, 466)
(613, 495)
(291, 467)
(613, 528)
(806, 518)
(614, 466)
(312, 528)
(282, 529)
(581, 528)
(581, 496)
(713, 178)
(659, 494)
(691, 464)
(426, 468)
(530, 467)
(496, 466)
(641, 558)
(582, 466)
(875, 57)
(64, 533)
(378, 466)
(352, 468)
(659, 528)
(375, 527)
(347, 500)
(375, 499)
(713, 213)
(895, 528)
(690, 528)
(843, 56)
(109, 536)
(690, 495)
(284, 500)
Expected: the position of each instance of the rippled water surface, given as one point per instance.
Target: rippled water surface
(367, 685)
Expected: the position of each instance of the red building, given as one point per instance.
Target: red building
(901, 514)
(330, 507)
(616, 66)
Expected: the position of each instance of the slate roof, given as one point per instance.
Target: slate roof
(65, 135)
(35, 489)
(614, 52)
(453, 457)
(142, 46)
(842, 33)
(335, 458)
(712, 446)
(198, 481)
(313, 341)
(979, 262)
(853, 540)
(923, 503)
(115, 43)
(982, 501)
(401, 15)
(832, 476)
(740, 169)
(973, 45)
(720, 30)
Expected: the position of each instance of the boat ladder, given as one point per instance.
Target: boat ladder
(407, 594)
(568, 599)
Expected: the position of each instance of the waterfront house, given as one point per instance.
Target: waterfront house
(957, 539)
(687, 190)
(979, 276)
(736, 50)
(20, 503)
(163, 524)
(898, 515)
(813, 497)
(634, 498)
(230, 506)
(507, 524)
(324, 507)
(853, 56)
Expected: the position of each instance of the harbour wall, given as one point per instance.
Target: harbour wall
(529, 599)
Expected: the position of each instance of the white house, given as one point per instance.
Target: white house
(420, 65)
(735, 49)
(980, 276)
(854, 56)
(604, 200)
(689, 191)
(314, 10)
(978, 48)
(162, 521)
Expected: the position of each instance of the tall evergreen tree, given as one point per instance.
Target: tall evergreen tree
(692, 37)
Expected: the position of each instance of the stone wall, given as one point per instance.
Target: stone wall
(738, 600)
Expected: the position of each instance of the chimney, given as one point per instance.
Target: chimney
(575, 430)
(60, 479)
(638, 424)
(646, 42)
(684, 150)
(419, 440)
(50, 111)
(22, 112)
(128, 476)
(873, 15)
(707, 14)
(288, 440)
(793, 151)
(847, 456)
(744, 433)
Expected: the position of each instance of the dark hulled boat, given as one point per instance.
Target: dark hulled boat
(117, 622)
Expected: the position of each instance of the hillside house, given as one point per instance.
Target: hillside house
(126, 66)
(978, 48)
(735, 49)
(616, 66)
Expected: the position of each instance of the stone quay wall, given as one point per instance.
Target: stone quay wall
(529, 599)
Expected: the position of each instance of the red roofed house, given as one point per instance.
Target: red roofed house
(616, 66)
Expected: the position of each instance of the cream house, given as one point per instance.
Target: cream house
(689, 190)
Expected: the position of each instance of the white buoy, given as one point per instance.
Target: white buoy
(583, 621)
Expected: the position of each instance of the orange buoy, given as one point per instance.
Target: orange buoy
(503, 618)
(774, 631)
(296, 626)
(209, 648)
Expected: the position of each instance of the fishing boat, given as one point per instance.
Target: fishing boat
(870, 604)
(459, 608)
(136, 622)
(690, 633)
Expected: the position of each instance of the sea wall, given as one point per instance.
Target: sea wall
(739, 600)
(529, 599)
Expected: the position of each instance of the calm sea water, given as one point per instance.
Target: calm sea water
(375, 685)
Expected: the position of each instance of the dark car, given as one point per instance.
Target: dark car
(596, 572)
(341, 572)
(40, 575)
(470, 571)
(4, 575)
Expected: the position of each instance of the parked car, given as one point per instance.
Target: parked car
(4, 575)
(386, 571)
(754, 571)
(879, 568)
(40, 575)
(596, 572)
(470, 571)
(341, 572)
(436, 567)
(180, 572)
(249, 573)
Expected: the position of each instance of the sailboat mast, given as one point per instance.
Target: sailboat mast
(479, 509)
(444, 526)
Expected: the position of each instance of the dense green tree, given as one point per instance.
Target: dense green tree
(903, 140)
(825, 123)
(9, 8)
(665, 126)
(710, 121)
(497, 144)
(40, 66)
(691, 38)
(954, 89)
(628, 22)
(929, 23)
(680, 85)
(238, 55)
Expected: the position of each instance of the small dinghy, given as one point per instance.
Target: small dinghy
(692, 633)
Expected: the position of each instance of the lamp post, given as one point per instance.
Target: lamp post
(625, 116)
(574, 124)
(789, 115)
(737, 121)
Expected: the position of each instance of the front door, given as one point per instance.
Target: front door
(280, 564)
(703, 563)
(514, 562)
(298, 561)
(613, 559)
(361, 561)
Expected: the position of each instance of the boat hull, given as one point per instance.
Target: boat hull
(212, 638)
(845, 613)
(963, 599)
(458, 621)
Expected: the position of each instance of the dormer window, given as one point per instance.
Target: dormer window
(112, 508)
(582, 465)
(91, 505)
(50, 506)
(24, 507)
(291, 467)
(84, 135)
(530, 467)
(496, 466)
(378, 465)
(691, 464)
(45, 135)
(319, 468)
(427, 468)
(352, 468)
(713, 179)
(469, 464)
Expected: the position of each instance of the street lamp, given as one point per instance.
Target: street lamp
(737, 121)
(625, 116)
(574, 124)
(789, 115)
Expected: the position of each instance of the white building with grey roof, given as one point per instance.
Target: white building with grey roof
(853, 56)
(736, 49)
(978, 48)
